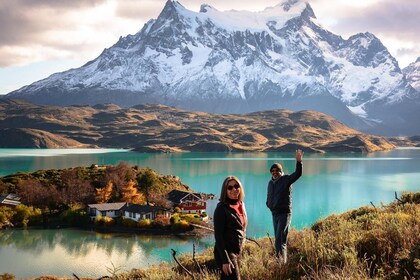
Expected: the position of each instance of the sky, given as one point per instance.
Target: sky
(42, 37)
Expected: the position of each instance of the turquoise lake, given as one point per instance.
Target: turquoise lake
(331, 183)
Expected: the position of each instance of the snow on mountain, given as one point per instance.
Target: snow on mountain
(241, 61)
(412, 73)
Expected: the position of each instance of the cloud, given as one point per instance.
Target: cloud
(144, 9)
(36, 30)
(33, 30)
(395, 23)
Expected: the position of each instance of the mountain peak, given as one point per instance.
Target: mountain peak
(288, 4)
(279, 57)
(171, 7)
(204, 8)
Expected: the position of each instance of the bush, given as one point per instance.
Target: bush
(75, 215)
(6, 215)
(104, 221)
(161, 221)
(128, 223)
(7, 276)
(182, 225)
(144, 223)
(26, 215)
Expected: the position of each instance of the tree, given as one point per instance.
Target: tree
(104, 194)
(119, 175)
(33, 193)
(131, 194)
(3, 187)
(6, 214)
(74, 189)
(148, 181)
(23, 214)
(160, 200)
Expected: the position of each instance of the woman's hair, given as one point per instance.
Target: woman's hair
(223, 193)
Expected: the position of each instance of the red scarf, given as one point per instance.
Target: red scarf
(240, 211)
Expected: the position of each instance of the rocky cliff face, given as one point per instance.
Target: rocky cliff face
(412, 72)
(240, 62)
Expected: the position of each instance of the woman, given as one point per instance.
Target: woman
(229, 227)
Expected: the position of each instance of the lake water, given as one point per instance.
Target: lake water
(332, 183)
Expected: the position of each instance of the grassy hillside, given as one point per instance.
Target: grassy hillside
(365, 243)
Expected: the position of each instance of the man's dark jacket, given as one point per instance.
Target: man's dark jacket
(279, 191)
(228, 232)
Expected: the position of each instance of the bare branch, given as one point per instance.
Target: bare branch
(399, 200)
(195, 261)
(183, 267)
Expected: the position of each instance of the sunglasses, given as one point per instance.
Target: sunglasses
(236, 186)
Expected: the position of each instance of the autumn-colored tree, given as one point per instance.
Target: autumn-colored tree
(130, 193)
(73, 189)
(148, 182)
(33, 193)
(119, 175)
(104, 194)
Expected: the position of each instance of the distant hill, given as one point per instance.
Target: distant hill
(159, 128)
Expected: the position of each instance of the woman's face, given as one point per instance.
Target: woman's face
(233, 190)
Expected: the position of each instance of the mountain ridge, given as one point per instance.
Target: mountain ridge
(159, 128)
(279, 58)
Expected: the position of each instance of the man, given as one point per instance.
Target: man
(279, 201)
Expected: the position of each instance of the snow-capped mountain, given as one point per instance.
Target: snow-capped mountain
(239, 61)
(412, 72)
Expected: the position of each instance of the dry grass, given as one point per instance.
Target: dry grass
(366, 243)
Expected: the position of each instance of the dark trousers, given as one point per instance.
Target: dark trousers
(281, 223)
(235, 259)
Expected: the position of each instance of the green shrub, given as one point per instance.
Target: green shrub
(26, 215)
(182, 225)
(75, 215)
(6, 214)
(126, 222)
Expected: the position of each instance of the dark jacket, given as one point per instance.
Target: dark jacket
(228, 232)
(279, 192)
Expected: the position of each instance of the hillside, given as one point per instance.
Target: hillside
(159, 128)
(365, 243)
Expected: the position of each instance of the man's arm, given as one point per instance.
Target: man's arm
(298, 172)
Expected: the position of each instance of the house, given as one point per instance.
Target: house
(141, 212)
(10, 200)
(112, 210)
(188, 202)
(127, 210)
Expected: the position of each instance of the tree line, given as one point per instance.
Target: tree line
(61, 189)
